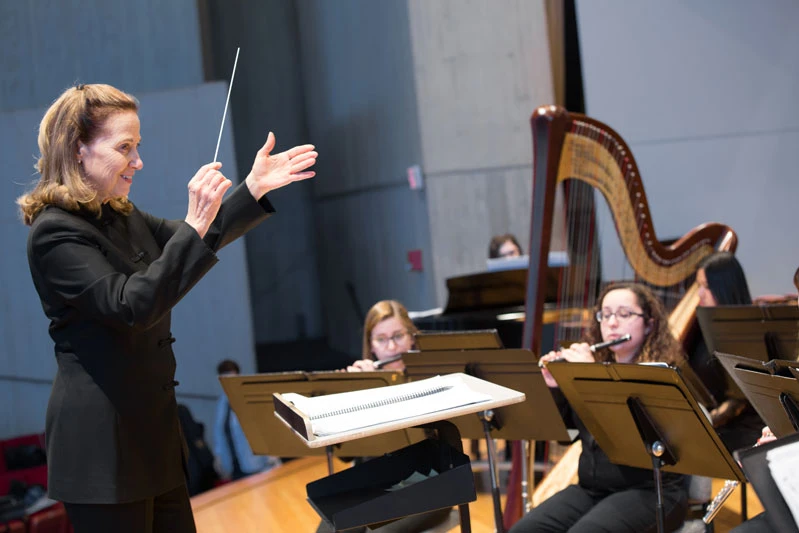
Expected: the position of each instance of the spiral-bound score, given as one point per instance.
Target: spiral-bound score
(439, 397)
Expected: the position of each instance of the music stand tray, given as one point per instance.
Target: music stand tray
(537, 418)
(601, 394)
(362, 495)
(759, 332)
(646, 417)
(251, 398)
(477, 353)
(772, 388)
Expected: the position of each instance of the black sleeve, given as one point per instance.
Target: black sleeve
(238, 214)
(69, 266)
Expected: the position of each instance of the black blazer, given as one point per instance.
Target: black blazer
(108, 286)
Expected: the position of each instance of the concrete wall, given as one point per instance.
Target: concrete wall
(480, 68)
(705, 95)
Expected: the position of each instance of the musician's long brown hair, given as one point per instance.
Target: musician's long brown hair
(379, 312)
(76, 116)
(659, 345)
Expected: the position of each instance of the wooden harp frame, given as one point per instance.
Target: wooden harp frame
(573, 146)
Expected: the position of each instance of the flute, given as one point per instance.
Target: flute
(383, 362)
(595, 347)
(715, 506)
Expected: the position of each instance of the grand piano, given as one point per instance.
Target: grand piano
(495, 300)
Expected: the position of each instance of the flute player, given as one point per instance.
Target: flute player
(612, 497)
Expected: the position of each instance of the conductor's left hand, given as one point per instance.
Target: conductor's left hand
(272, 171)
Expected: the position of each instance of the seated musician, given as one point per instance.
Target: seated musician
(722, 281)
(760, 523)
(504, 246)
(387, 334)
(612, 497)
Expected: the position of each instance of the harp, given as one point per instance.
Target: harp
(583, 155)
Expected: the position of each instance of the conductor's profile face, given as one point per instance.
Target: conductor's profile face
(390, 337)
(109, 161)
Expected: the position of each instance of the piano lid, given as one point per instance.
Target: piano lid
(495, 290)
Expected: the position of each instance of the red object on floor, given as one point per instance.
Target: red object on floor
(51, 520)
(15, 526)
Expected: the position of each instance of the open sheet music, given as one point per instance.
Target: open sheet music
(339, 413)
(783, 463)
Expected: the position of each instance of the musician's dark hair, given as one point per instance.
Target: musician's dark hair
(498, 240)
(228, 367)
(77, 116)
(726, 279)
(659, 345)
(379, 312)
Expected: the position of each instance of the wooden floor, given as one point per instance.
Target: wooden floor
(275, 502)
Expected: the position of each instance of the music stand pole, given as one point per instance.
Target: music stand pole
(656, 451)
(486, 417)
(528, 450)
(657, 447)
(329, 452)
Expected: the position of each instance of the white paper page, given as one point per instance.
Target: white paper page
(381, 404)
(783, 463)
(322, 405)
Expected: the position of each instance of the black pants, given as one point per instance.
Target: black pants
(758, 524)
(167, 513)
(578, 510)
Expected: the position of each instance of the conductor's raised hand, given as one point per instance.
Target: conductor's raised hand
(206, 190)
(272, 171)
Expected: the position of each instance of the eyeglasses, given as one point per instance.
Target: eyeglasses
(397, 338)
(622, 314)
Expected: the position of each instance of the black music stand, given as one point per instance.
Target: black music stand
(755, 465)
(537, 418)
(364, 495)
(645, 416)
(251, 399)
(772, 387)
(760, 332)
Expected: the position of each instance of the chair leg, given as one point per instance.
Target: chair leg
(744, 513)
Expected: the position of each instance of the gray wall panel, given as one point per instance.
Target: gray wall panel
(362, 116)
(708, 107)
(480, 70)
(143, 45)
(368, 237)
(268, 95)
(358, 70)
(469, 209)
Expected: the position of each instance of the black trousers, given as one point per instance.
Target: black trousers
(758, 524)
(167, 513)
(578, 510)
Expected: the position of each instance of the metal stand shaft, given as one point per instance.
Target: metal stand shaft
(485, 418)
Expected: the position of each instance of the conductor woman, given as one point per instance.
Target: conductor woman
(108, 276)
